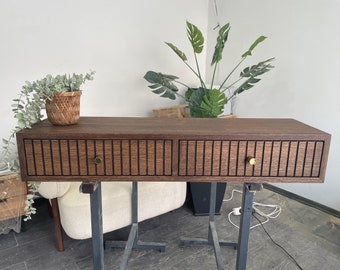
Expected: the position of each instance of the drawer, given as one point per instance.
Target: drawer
(229, 158)
(117, 157)
(11, 185)
(12, 207)
(188, 149)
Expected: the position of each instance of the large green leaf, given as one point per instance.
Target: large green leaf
(252, 47)
(221, 40)
(258, 69)
(205, 103)
(177, 51)
(195, 37)
(251, 73)
(162, 84)
(213, 103)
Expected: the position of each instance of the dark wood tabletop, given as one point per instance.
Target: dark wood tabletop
(169, 149)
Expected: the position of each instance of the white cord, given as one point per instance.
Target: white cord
(273, 214)
(232, 195)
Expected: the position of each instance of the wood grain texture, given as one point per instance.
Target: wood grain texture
(188, 149)
(12, 196)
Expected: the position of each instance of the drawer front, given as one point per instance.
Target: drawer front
(12, 207)
(229, 158)
(10, 186)
(117, 157)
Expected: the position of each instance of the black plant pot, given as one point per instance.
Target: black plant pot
(200, 197)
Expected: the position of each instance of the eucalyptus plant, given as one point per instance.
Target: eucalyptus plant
(28, 110)
(205, 100)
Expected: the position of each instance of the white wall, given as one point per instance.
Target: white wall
(121, 40)
(304, 37)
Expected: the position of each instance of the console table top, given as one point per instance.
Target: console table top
(248, 128)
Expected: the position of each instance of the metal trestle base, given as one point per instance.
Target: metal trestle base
(242, 244)
(212, 233)
(133, 242)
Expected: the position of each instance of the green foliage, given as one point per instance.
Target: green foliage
(195, 37)
(221, 40)
(162, 84)
(205, 101)
(27, 110)
(177, 51)
(252, 47)
(252, 73)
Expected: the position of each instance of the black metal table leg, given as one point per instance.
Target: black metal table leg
(247, 211)
(133, 242)
(212, 238)
(94, 189)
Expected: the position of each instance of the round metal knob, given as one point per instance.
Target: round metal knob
(98, 160)
(251, 161)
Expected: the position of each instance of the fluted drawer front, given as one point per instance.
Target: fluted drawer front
(229, 158)
(118, 157)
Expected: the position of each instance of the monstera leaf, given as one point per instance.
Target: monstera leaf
(177, 51)
(252, 73)
(221, 40)
(205, 103)
(253, 46)
(162, 84)
(195, 37)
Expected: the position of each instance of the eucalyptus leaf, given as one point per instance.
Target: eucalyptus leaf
(27, 110)
(19, 116)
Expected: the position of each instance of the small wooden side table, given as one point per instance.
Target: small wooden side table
(12, 201)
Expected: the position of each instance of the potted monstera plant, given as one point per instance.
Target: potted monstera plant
(206, 100)
(60, 96)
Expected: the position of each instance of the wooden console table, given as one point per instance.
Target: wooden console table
(251, 151)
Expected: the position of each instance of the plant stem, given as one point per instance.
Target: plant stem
(199, 72)
(213, 77)
(230, 85)
(232, 72)
(181, 83)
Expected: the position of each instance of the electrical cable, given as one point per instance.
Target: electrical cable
(278, 245)
(236, 211)
(232, 195)
(272, 215)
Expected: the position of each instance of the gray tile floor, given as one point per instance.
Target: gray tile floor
(312, 237)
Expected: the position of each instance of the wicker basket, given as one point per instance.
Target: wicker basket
(64, 108)
(179, 111)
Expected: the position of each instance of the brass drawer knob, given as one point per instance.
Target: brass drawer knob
(251, 161)
(98, 160)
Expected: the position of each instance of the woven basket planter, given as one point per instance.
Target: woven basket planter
(64, 108)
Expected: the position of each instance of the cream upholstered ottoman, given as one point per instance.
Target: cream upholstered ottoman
(154, 198)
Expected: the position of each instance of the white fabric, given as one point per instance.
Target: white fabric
(154, 198)
(51, 190)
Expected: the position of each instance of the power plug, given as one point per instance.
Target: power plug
(236, 211)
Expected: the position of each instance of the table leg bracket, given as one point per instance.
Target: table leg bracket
(212, 240)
